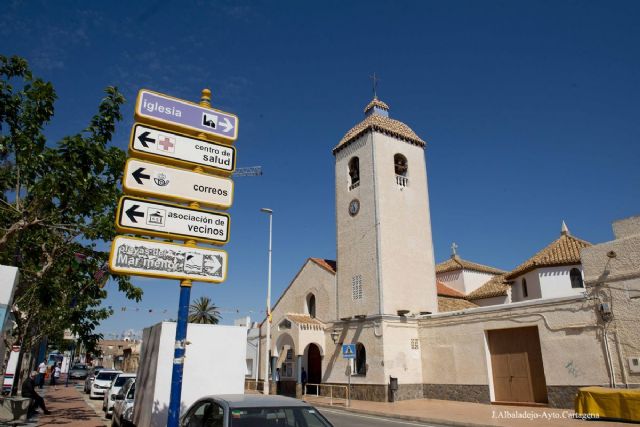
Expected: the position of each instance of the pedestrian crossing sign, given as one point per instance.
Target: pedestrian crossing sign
(349, 351)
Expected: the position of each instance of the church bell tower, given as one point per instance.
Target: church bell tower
(385, 262)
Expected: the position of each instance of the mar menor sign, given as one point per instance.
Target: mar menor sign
(143, 257)
(181, 150)
(160, 219)
(166, 182)
(173, 113)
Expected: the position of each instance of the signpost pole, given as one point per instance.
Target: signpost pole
(183, 314)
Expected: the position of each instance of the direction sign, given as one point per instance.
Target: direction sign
(157, 108)
(160, 219)
(349, 351)
(181, 150)
(151, 179)
(142, 257)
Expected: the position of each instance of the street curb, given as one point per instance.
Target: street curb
(402, 417)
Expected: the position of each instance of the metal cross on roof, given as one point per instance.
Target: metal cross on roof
(375, 81)
(453, 249)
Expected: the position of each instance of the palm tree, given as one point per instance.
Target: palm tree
(204, 311)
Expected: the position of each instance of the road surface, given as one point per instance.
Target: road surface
(340, 418)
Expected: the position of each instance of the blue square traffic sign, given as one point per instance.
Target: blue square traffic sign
(349, 351)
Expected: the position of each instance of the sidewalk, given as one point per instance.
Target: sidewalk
(467, 414)
(67, 406)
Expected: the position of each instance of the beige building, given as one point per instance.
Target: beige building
(457, 330)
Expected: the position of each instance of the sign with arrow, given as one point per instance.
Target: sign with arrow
(349, 351)
(151, 179)
(181, 150)
(173, 113)
(143, 257)
(160, 219)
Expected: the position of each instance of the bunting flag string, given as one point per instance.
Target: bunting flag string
(162, 310)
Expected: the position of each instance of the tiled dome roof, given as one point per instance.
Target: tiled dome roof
(382, 124)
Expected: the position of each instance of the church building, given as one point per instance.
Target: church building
(457, 330)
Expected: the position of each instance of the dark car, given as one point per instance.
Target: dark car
(252, 410)
(78, 371)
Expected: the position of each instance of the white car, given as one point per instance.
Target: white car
(102, 382)
(123, 408)
(110, 395)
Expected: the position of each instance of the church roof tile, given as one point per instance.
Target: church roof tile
(453, 304)
(327, 264)
(379, 123)
(446, 291)
(456, 263)
(497, 286)
(563, 251)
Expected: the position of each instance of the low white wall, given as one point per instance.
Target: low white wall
(214, 364)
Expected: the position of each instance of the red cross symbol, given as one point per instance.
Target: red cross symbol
(165, 143)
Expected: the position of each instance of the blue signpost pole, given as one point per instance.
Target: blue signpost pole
(183, 316)
(178, 355)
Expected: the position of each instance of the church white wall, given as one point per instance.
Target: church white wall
(455, 352)
(472, 280)
(356, 237)
(533, 287)
(612, 275)
(407, 266)
(310, 279)
(453, 279)
(555, 281)
(485, 302)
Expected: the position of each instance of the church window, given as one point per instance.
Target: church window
(401, 167)
(356, 287)
(311, 305)
(525, 291)
(415, 344)
(361, 360)
(354, 173)
(576, 278)
(285, 324)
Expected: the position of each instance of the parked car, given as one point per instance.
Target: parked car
(78, 371)
(123, 407)
(90, 377)
(252, 410)
(110, 395)
(102, 383)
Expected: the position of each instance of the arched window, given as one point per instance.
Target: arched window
(525, 291)
(400, 164)
(354, 172)
(311, 305)
(361, 360)
(576, 278)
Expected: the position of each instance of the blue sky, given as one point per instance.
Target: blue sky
(530, 110)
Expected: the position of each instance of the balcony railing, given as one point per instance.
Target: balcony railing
(402, 181)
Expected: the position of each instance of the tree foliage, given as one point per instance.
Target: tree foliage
(57, 208)
(204, 311)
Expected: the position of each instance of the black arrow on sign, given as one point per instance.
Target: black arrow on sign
(132, 213)
(144, 138)
(139, 176)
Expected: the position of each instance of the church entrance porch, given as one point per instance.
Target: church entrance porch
(516, 362)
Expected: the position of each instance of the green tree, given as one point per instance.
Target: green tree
(204, 311)
(57, 205)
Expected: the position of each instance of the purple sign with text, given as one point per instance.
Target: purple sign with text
(173, 113)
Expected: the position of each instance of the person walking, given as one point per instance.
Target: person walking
(29, 390)
(303, 379)
(55, 376)
(42, 370)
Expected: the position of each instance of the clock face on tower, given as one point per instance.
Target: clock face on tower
(354, 207)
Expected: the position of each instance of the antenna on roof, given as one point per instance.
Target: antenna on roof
(564, 230)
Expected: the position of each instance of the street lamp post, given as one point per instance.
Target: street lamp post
(268, 340)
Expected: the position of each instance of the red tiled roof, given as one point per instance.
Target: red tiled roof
(327, 264)
(446, 291)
